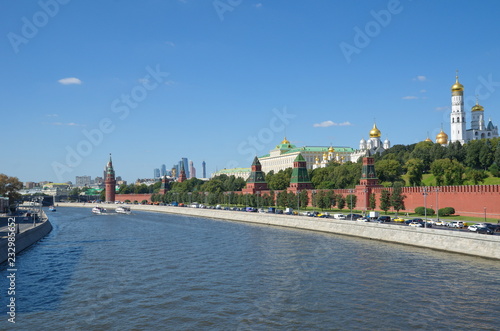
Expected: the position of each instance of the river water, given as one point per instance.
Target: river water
(152, 271)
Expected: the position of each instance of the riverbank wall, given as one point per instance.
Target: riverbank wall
(25, 238)
(469, 243)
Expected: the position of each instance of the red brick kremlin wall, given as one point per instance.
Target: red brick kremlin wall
(133, 197)
(467, 200)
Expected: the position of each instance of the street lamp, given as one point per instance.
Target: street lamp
(425, 206)
(351, 191)
(437, 206)
(298, 201)
(484, 214)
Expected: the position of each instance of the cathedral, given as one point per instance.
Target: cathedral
(478, 128)
(371, 146)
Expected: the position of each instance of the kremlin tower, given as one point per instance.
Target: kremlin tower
(110, 181)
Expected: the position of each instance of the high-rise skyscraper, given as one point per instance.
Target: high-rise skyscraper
(184, 162)
(156, 173)
(192, 170)
(204, 169)
(163, 171)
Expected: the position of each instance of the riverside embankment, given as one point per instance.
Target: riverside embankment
(26, 234)
(452, 241)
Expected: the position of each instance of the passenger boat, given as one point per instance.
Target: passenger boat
(98, 210)
(52, 208)
(123, 210)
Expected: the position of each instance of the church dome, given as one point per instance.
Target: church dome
(477, 107)
(375, 132)
(331, 149)
(285, 142)
(442, 138)
(457, 86)
(429, 139)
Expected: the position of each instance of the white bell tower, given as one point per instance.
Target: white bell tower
(457, 116)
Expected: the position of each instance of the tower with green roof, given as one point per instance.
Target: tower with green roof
(300, 178)
(256, 181)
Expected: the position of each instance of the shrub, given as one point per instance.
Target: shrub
(446, 211)
(422, 211)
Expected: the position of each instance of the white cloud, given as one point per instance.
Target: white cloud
(66, 124)
(169, 43)
(258, 5)
(51, 115)
(423, 91)
(420, 78)
(442, 108)
(409, 97)
(326, 124)
(70, 81)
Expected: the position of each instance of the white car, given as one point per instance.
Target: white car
(416, 224)
(474, 227)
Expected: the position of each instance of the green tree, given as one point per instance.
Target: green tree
(9, 187)
(373, 201)
(340, 202)
(473, 150)
(397, 198)
(388, 170)
(304, 198)
(351, 200)
(475, 176)
(422, 151)
(414, 171)
(438, 168)
(385, 200)
(280, 180)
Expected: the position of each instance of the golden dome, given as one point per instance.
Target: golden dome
(316, 159)
(457, 86)
(442, 138)
(477, 107)
(375, 132)
(331, 150)
(429, 139)
(286, 142)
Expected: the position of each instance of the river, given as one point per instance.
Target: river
(153, 271)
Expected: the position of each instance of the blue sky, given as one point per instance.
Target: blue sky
(155, 80)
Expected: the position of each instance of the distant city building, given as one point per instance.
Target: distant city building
(83, 181)
(29, 185)
(99, 181)
(236, 172)
(163, 170)
(204, 169)
(371, 146)
(192, 170)
(184, 162)
(156, 173)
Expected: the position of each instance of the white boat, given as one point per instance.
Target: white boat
(98, 210)
(52, 208)
(123, 210)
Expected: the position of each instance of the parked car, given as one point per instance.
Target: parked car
(353, 216)
(474, 227)
(398, 220)
(440, 223)
(413, 220)
(490, 229)
(382, 219)
(416, 224)
(457, 224)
